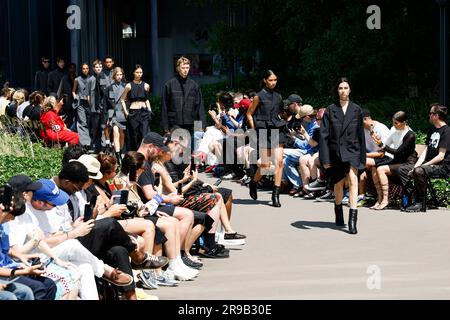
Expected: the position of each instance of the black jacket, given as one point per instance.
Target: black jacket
(342, 137)
(54, 79)
(181, 109)
(41, 80)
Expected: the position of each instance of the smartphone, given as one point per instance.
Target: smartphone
(88, 209)
(116, 196)
(180, 188)
(157, 179)
(7, 197)
(218, 181)
(132, 173)
(124, 196)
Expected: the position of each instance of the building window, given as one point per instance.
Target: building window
(128, 31)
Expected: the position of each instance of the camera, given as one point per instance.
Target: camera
(36, 261)
(131, 211)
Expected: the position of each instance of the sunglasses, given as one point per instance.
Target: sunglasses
(46, 61)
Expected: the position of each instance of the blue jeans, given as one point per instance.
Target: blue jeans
(16, 291)
(291, 163)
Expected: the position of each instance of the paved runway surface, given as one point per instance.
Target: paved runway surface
(296, 252)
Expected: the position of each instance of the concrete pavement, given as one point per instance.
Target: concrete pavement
(296, 252)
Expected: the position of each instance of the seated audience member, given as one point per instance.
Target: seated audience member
(401, 143)
(373, 131)
(43, 288)
(308, 167)
(170, 227)
(291, 157)
(434, 162)
(55, 130)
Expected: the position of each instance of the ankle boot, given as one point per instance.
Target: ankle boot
(339, 213)
(253, 186)
(353, 217)
(276, 197)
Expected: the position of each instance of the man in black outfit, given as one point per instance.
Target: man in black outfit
(182, 101)
(41, 77)
(434, 162)
(55, 77)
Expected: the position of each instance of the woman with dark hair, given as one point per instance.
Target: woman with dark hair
(137, 93)
(401, 143)
(263, 114)
(343, 150)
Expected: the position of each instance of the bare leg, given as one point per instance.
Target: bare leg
(382, 173)
(339, 192)
(353, 187)
(186, 218)
(143, 228)
(278, 154)
(304, 169)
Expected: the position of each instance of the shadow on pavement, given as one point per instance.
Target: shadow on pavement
(307, 225)
(249, 201)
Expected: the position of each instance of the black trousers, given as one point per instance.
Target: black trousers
(139, 123)
(420, 175)
(97, 128)
(43, 288)
(109, 242)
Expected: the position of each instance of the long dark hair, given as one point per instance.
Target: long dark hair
(400, 116)
(266, 76)
(335, 92)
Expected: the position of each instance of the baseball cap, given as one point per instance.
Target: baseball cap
(23, 183)
(92, 165)
(155, 139)
(245, 103)
(51, 193)
(293, 98)
(304, 111)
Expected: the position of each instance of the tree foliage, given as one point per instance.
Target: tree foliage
(312, 43)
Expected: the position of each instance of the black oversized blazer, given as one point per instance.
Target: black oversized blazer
(179, 109)
(342, 136)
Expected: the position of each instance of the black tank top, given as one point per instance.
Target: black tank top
(137, 92)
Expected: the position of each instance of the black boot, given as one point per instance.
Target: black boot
(276, 197)
(339, 213)
(119, 159)
(353, 217)
(253, 186)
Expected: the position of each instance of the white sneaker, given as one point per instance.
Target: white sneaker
(229, 176)
(180, 273)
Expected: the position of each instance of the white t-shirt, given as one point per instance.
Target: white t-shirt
(54, 220)
(382, 132)
(21, 226)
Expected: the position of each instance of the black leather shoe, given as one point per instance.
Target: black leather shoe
(339, 213)
(353, 217)
(253, 187)
(215, 252)
(276, 197)
(418, 207)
